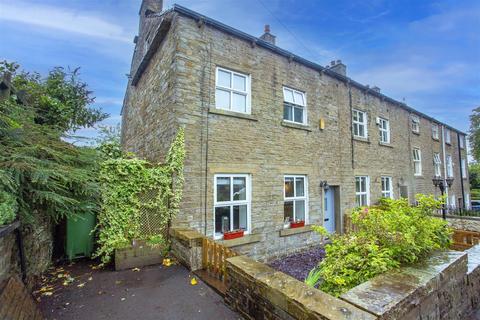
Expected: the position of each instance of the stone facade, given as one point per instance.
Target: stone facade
(177, 88)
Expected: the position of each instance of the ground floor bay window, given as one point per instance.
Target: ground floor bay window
(231, 203)
(295, 205)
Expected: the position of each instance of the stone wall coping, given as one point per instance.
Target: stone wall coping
(190, 237)
(292, 296)
(398, 290)
(292, 231)
(289, 124)
(449, 216)
(246, 239)
(232, 114)
(473, 258)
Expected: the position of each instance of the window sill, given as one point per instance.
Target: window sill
(292, 231)
(360, 139)
(296, 125)
(418, 176)
(383, 144)
(436, 139)
(246, 239)
(416, 132)
(232, 114)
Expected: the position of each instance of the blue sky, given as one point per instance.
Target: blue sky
(426, 52)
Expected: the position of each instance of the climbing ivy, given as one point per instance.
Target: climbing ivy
(123, 179)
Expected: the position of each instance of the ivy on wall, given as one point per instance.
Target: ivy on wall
(122, 181)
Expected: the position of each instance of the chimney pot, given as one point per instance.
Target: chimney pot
(332, 63)
(267, 28)
(267, 36)
(339, 61)
(338, 67)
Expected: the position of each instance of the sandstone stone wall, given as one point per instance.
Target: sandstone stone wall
(178, 89)
(444, 286)
(464, 223)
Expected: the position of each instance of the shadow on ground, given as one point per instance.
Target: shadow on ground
(79, 292)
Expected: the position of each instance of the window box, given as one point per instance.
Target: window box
(233, 234)
(297, 224)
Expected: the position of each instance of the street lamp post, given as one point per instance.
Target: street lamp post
(442, 184)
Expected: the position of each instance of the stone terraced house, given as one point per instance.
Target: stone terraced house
(271, 136)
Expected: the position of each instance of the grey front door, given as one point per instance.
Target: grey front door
(329, 214)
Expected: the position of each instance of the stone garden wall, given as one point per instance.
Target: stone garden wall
(445, 286)
(464, 223)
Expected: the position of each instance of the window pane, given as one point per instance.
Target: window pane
(224, 78)
(239, 102)
(222, 99)
(288, 95)
(357, 184)
(358, 201)
(298, 113)
(299, 98)
(223, 189)
(300, 210)
(287, 112)
(288, 210)
(239, 189)
(239, 82)
(363, 184)
(361, 131)
(222, 219)
(240, 217)
(360, 117)
(299, 187)
(363, 199)
(289, 192)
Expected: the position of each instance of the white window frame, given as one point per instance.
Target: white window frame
(360, 123)
(462, 141)
(361, 193)
(435, 131)
(467, 201)
(464, 168)
(417, 159)
(384, 128)
(387, 193)
(437, 164)
(449, 163)
(295, 105)
(415, 123)
(448, 136)
(246, 93)
(453, 202)
(295, 197)
(231, 203)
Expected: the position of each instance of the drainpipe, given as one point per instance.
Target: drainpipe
(461, 170)
(444, 163)
(351, 121)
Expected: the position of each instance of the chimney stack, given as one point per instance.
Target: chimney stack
(150, 6)
(338, 67)
(267, 36)
(377, 89)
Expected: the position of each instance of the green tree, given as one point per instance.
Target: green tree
(43, 172)
(474, 133)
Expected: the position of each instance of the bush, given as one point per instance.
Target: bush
(388, 235)
(8, 208)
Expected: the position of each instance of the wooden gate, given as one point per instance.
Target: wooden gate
(214, 266)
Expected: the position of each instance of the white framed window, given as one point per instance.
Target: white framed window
(448, 138)
(232, 202)
(294, 106)
(462, 141)
(359, 123)
(464, 169)
(453, 202)
(232, 91)
(384, 130)
(387, 187)
(449, 166)
(467, 201)
(415, 123)
(437, 164)
(435, 134)
(362, 191)
(417, 162)
(295, 193)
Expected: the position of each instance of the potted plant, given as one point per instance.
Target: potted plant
(297, 224)
(233, 234)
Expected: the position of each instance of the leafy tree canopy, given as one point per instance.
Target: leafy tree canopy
(474, 136)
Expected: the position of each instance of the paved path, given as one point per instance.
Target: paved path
(155, 292)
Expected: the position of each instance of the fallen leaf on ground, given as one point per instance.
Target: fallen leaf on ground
(167, 262)
(193, 281)
(90, 279)
(123, 299)
(47, 293)
(81, 285)
(118, 282)
(136, 269)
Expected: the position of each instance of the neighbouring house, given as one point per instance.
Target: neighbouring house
(271, 136)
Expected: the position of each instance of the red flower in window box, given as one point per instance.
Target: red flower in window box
(297, 224)
(233, 234)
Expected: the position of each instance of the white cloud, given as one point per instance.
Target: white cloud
(63, 19)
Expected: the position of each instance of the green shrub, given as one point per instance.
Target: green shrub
(8, 208)
(388, 235)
